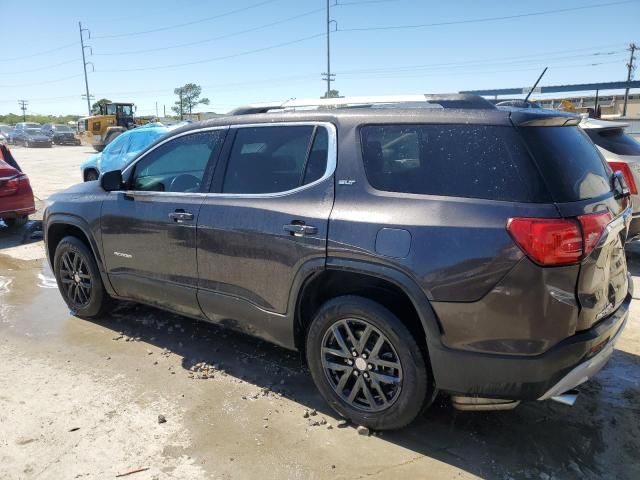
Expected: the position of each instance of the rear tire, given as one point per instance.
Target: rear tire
(91, 175)
(79, 279)
(16, 222)
(389, 365)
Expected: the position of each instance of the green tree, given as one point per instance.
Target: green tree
(332, 94)
(188, 99)
(96, 106)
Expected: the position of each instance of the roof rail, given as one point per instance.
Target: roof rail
(410, 101)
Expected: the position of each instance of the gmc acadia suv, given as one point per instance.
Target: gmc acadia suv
(405, 248)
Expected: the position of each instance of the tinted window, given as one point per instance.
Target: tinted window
(275, 159)
(614, 140)
(475, 161)
(178, 165)
(570, 163)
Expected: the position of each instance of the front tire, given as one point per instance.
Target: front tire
(366, 363)
(79, 279)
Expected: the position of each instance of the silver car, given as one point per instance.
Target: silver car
(622, 152)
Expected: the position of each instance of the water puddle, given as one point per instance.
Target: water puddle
(30, 303)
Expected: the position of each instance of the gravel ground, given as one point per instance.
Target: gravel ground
(177, 399)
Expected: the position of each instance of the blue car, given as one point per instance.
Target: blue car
(117, 154)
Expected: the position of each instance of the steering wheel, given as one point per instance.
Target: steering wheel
(184, 183)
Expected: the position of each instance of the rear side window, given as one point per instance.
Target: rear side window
(572, 166)
(614, 140)
(275, 159)
(476, 161)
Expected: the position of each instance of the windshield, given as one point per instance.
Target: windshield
(124, 110)
(614, 140)
(61, 128)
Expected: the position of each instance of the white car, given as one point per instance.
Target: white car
(622, 152)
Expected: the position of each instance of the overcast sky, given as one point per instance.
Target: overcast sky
(256, 50)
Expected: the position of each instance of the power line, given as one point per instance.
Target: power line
(487, 19)
(44, 52)
(475, 63)
(186, 24)
(47, 67)
(40, 83)
(212, 39)
(213, 59)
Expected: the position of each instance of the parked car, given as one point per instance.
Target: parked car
(60, 134)
(622, 152)
(31, 137)
(3, 139)
(470, 250)
(16, 196)
(19, 130)
(117, 154)
(5, 130)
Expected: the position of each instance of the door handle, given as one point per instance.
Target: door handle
(180, 216)
(300, 230)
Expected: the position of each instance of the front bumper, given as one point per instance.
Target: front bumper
(564, 366)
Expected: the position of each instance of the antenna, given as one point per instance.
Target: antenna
(535, 84)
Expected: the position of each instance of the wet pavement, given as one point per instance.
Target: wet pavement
(82, 399)
(244, 413)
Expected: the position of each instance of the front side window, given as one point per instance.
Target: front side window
(275, 159)
(178, 165)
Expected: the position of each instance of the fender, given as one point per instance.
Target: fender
(83, 225)
(420, 302)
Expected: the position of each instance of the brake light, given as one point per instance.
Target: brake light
(628, 175)
(593, 226)
(12, 185)
(558, 241)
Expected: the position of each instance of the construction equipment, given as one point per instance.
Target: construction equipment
(109, 121)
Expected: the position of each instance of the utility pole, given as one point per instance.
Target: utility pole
(328, 76)
(23, 107)
(630, 68)
(164, 111)
(181, 108)
(156, 111)
(85, 63)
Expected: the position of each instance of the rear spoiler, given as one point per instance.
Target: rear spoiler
(534, 117)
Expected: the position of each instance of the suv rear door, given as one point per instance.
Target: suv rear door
(581, 183)
(266, 216)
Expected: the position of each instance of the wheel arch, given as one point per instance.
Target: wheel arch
(59, 226)
(317, 283)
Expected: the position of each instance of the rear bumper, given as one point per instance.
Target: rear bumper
(17, 213)
(566, 365)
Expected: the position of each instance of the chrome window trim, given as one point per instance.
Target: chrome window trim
(332, 156)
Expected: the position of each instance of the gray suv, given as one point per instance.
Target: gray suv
(405, 248)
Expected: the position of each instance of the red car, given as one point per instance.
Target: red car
(16, 196)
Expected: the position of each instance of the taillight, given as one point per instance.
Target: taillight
(593, 225)
(628, 175)
(12, 185)
(558, 241)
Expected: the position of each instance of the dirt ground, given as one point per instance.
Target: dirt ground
(82, 399)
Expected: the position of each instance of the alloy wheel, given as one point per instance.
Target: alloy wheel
(361, 364)
(75, 278)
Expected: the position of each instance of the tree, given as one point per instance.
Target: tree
(189, 98)
(332, 94)
(96, 106)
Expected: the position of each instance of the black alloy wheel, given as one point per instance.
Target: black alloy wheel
(361, 365)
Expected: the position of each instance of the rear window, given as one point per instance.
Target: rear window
(573, 168)
(614, 140)
(476, 161)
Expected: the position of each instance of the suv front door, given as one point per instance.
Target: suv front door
(149, 229)
(265, 218)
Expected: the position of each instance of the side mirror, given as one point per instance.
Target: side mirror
(111, 181)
